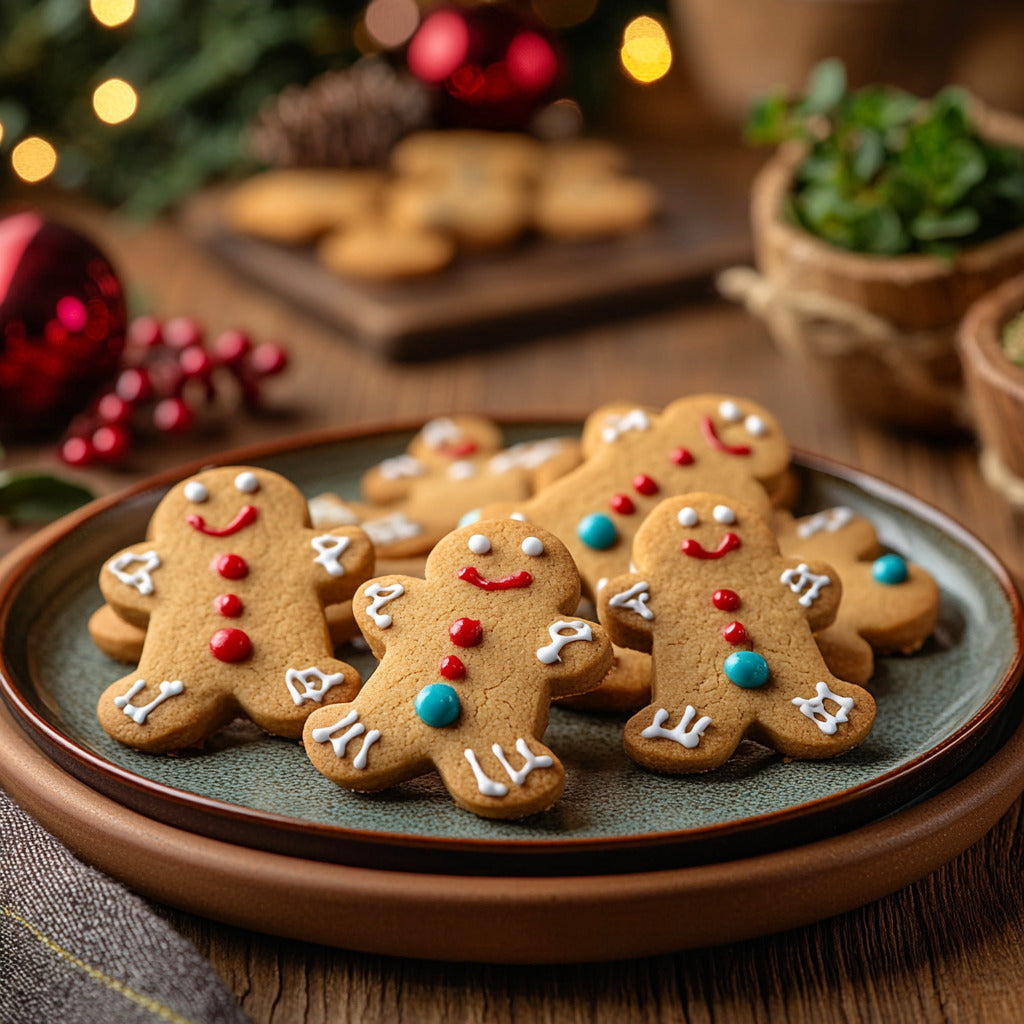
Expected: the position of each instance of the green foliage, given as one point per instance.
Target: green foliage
(887, 173)
(32, 497)
(201, 68)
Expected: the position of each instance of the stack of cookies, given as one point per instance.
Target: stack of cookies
(445, 193)
(650, 568)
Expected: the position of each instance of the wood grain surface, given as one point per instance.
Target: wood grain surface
(950, 948)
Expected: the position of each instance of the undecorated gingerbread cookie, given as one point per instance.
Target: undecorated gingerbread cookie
(729, 623)
(889, 605)
(230, 587)
(470, 658)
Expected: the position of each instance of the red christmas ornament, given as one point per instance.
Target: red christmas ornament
(62, 324)
(492, 67)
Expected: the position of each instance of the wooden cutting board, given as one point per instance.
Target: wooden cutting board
(540, 285)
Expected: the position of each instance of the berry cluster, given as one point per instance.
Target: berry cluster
(167, 373)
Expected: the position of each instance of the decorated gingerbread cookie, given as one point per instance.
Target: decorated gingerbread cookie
(889, 605)
(470, 658)
(453, 465)
(729, 623)
(230, 587)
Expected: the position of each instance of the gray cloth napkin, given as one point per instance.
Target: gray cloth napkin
(76, 947)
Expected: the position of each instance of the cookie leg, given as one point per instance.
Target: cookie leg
(158, 715)
(681, 740)
(282, 703)
(356, 748)
(507, 779)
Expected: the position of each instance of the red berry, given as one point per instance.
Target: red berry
(134, 385)
(196, 362)
(145, 331)
(268, 359)
(231, 347)
(77, 451)
(182, 331)
(111, 443)
(172, 416)
(112, 408)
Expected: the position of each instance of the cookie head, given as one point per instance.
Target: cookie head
(239, 504)
(735, 428)
(493, 558)
(451, 438)
(700, 528)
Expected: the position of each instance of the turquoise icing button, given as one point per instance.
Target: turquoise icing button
(597, 531)
(890, 570)
(437, 705)
(470, 517)
(746, 669)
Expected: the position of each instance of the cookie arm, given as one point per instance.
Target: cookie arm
(130, 582)
(816, 589)
(577, 654)
(378, 606)
(339, 560)
(623, 606)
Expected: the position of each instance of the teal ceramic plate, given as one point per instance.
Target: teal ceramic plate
(939, 713)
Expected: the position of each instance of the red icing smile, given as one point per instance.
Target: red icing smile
(707, 428)
(246, 516)
(514, 582)
(459, 450)
(694, 548)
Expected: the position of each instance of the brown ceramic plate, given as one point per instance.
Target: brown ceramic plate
(940, 714)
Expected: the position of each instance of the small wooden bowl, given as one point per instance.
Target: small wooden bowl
(915, 379)
(996, 386)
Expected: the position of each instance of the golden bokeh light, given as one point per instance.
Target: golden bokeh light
(392, 22)
(114, 101)
(646, 52)
(33, 159)
(112, 13)
(1, 131)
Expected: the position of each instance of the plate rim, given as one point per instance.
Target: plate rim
(179, 805)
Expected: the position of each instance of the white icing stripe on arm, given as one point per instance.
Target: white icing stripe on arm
(635, 599)
(330, 549)
(552, 652)
(799, 578)
(141, 579)
(380, 596)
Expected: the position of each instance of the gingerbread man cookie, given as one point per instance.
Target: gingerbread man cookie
(889, 605)
(729, 623)
(230, 587)
(470, 658)
(452, 466)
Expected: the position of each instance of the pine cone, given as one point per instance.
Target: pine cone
(348, 118)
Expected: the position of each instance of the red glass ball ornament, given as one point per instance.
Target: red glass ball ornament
(491, 66)
(62, 324)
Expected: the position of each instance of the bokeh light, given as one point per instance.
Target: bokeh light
(114, 101)
(112, 13)
(646, 51)
(392, 22)
(1, 131)
(33, 159)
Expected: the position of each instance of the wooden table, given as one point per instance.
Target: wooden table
(950, 947)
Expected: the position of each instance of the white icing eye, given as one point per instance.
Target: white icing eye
(756, 426)
(533, 546)
(724, 514)
(688, 516)
(479, 544)
(247, 483)
(196, 492)
(519, 517)
(730, 412)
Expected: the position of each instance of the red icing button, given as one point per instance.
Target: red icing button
(726, 600)
(735, 633)
(229, 605)
(643, 484)
(682, 457)
(623, 504)
(230, 645)
(452, 667)
(466, 632)
(231, 567)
